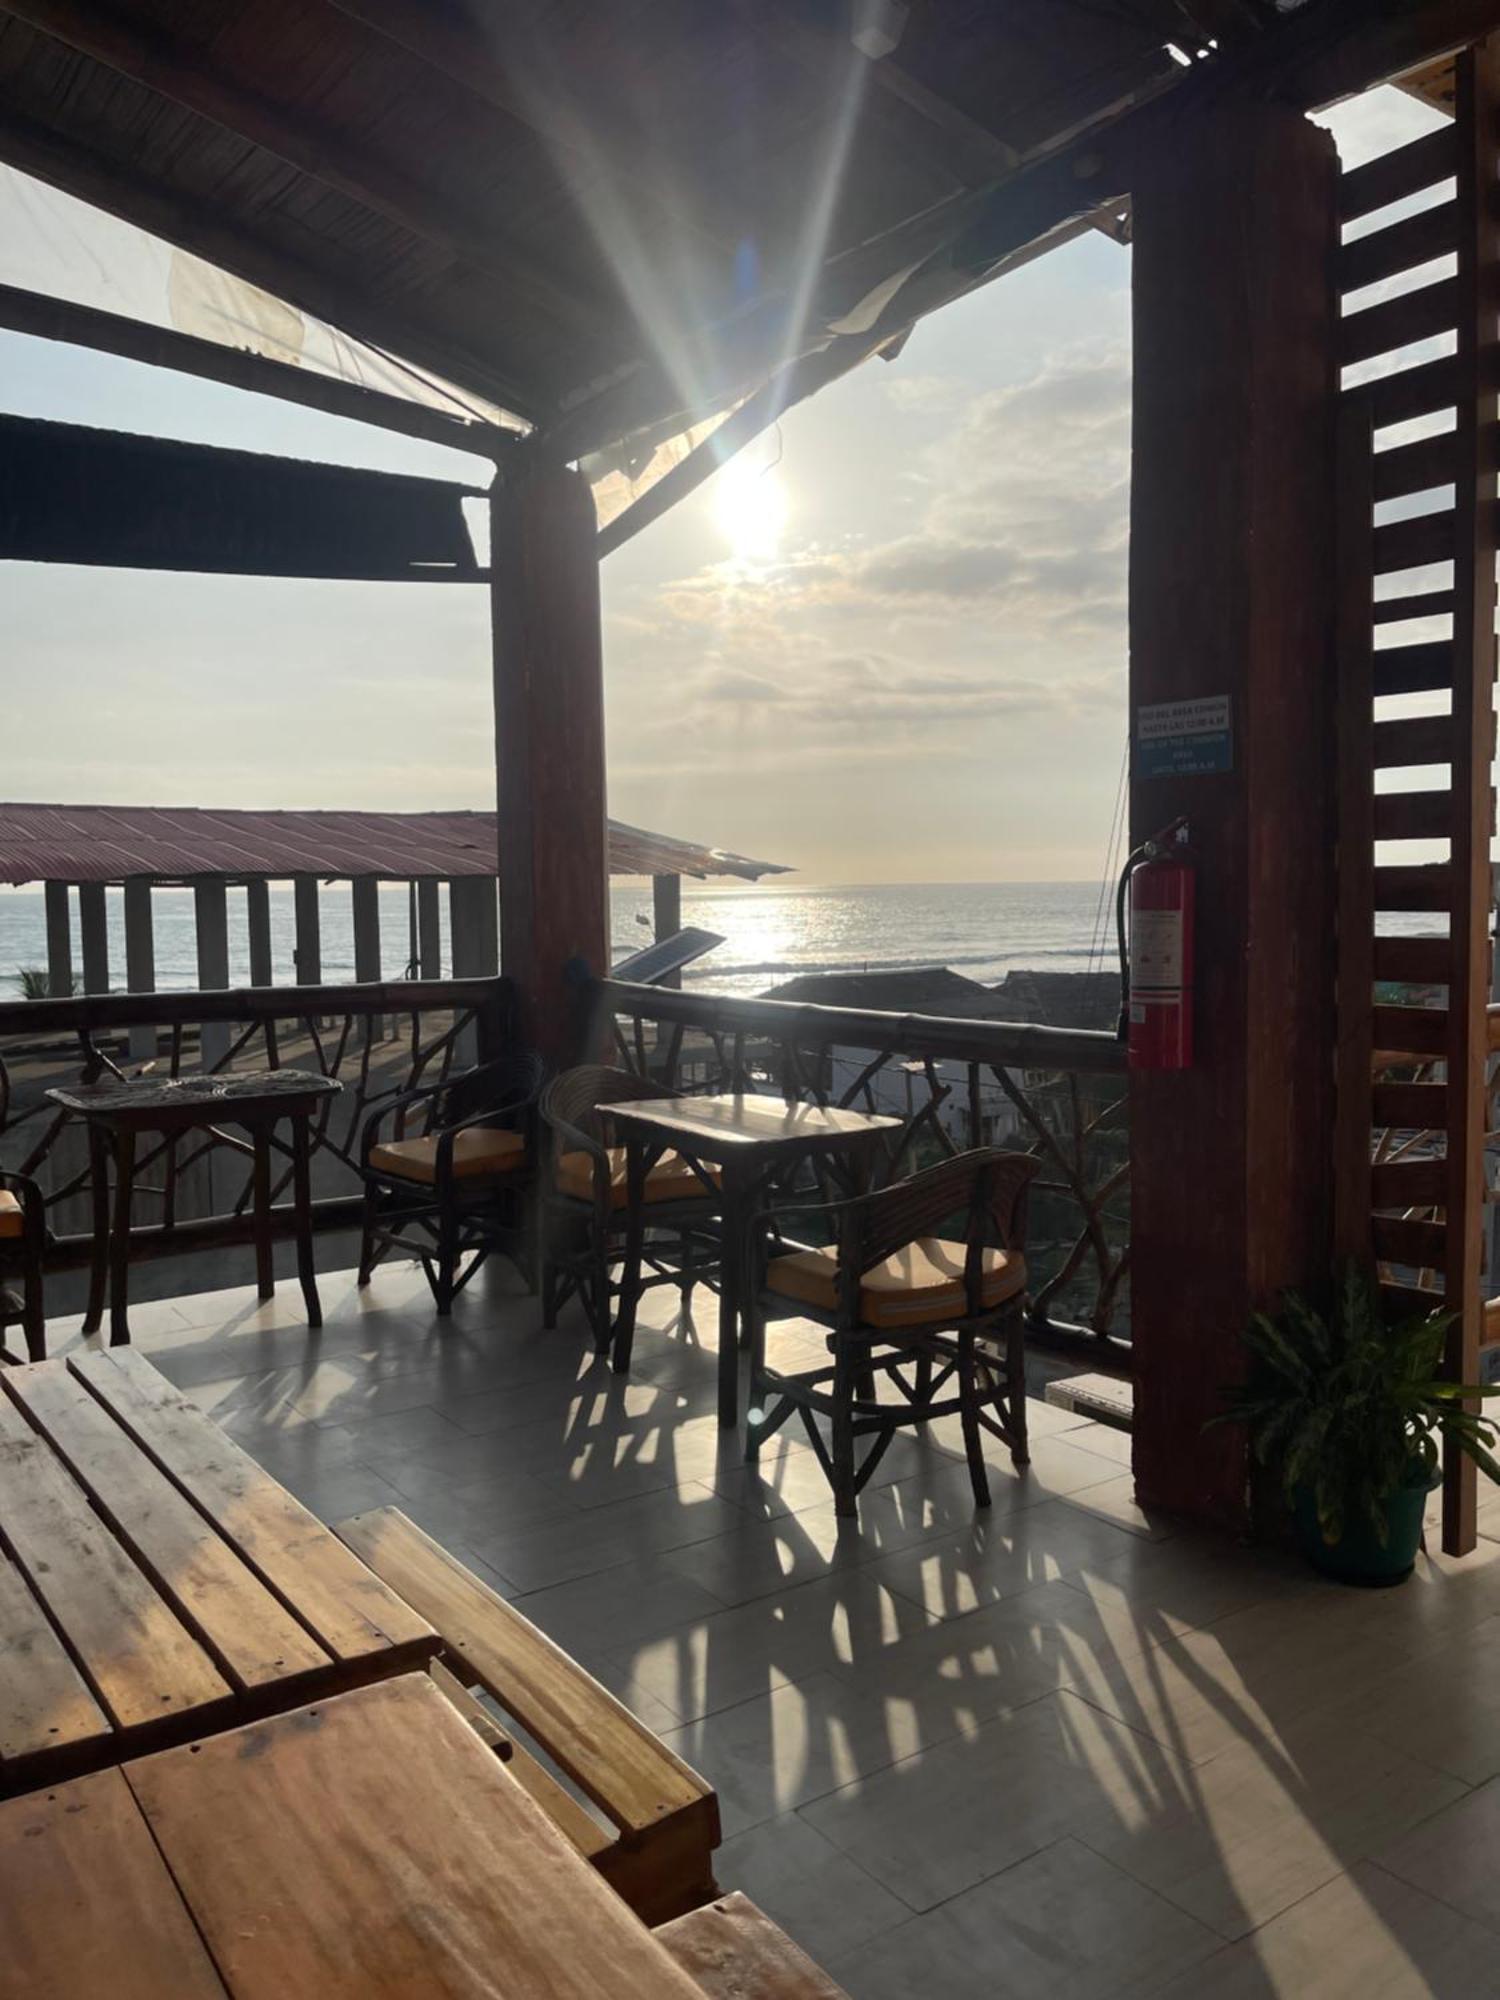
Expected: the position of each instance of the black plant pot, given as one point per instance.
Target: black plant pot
(1359, 1556)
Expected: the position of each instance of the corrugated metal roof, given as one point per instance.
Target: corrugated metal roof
(40, 843)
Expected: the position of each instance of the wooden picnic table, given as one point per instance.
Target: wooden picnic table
(155, 1582)
(361, 1848)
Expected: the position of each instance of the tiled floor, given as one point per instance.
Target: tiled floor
(1058, 1750)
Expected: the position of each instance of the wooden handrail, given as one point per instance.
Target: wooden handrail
(85, 1011)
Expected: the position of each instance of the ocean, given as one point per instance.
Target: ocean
(771, 931)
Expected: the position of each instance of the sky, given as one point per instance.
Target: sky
(886, 644)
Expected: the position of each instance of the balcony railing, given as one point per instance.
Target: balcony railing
(194, 1192)
(954, 1084)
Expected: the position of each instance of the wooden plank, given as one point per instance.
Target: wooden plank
(1406, 170)
(1411, 1107)
(1420, 1246)
(1409, 1183)
(1477, 116)
(1422, 886)
(734, 1952)
(1401, 246)
(87, 1905)
(1419, 391)
(1418, 467)
(1399, 322)
(1424, 961)
(611, 1756)
(1413, 815)
(1411, 669)
(145, 1668)
(351, 1613)
(253, 1639)
(1413, 739)
(1417, 1031)
(371, 1847)
(1416, 604)
(1408, 1301)
(47, 1715)
(1355, 810)
(1426, 538)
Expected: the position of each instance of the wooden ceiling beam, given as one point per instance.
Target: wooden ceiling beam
(210, 360)
(178, 71)
(62, 161)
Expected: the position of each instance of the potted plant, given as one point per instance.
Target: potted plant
(1348, 1408)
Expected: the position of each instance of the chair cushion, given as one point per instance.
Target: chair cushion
(480, 1150)
(10, 1214)
(671, 1179)
(922, 1285)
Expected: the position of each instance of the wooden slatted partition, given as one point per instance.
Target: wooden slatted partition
(1412, 1078)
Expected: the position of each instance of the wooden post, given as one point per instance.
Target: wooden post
(140, 959)
(1231, 596)
(59, 940)
(473, 942)
(93, 929)
(549, 729)
(258, 923)
(429, 929)
(211, 915)
(308, 955)
(365, 890)
(666, 911)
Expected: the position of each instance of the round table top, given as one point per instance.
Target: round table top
(182, 1093)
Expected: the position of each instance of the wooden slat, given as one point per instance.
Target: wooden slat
(1418, 391)
(253, 1639)
(1418, 1031)
(1408, 1183)
(1427, 538)
(1417, 467)
(1416, 604)
(1413, 739)
(142, 1664)
(370, 1847)
(1413, 815)
(1398, 322)
(732, 1951)
(1420, 163)
(87, 1905)
(594, 1738)
(1421, 669)
(1410, 1107)
(1402, 246)
(1410, 1301)
(1421, 1246)
(1421, 887)
(46, 1711)
(352, 1614)
(1422, 960)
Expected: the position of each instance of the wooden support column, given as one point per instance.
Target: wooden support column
(258, 923)
(365, 890)
(308, 954)
(1231, 596)
(666, 912)
(549, 734)
(429, 929)
(473, 941)
(140, 959)
(211, 916)
(93, 933)
(59, 940)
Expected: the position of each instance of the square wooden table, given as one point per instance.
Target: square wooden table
(362, 1848)
(745, 1140)
(155, 1583)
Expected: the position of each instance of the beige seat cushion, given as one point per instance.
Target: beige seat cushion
(10, 1215)
(671, 1179)
(480, 1151)
(921, 1285)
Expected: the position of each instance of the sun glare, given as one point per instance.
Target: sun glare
(750, 509)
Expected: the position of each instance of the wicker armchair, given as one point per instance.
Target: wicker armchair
(23, 1245)
(458, 1189)
(583, 1203)
(908, 1307)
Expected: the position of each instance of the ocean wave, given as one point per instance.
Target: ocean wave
(789, 968)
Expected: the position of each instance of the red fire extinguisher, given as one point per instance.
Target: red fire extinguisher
(1156, 961)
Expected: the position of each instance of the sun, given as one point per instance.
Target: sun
(750, 510)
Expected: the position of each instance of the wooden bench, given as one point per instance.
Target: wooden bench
(665, 1818)
(734, 1952)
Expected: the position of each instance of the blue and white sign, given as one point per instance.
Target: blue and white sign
(1183, 739)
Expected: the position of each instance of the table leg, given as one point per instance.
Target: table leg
(265, 1269)
(733, 1223)
(119, 1250)
(636, 1155)
(302, 1201)
(93, 1318)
